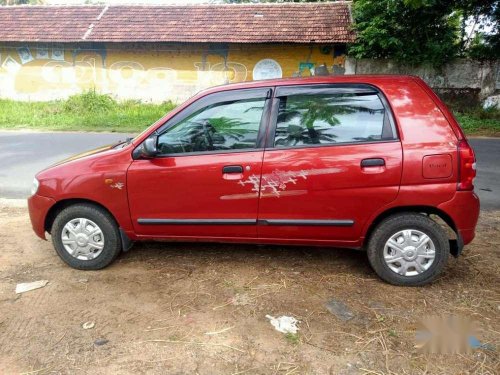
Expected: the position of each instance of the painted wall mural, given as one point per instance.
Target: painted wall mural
(267, 69)
(43, 72)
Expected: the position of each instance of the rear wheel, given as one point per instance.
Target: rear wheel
(408, 249)
(86, 237)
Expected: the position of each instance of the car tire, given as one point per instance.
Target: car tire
(400, 253)
(89, 225)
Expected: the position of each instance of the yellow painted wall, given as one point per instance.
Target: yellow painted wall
(149, 73)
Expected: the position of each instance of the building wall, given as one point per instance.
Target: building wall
(480, 77)
(153, 72)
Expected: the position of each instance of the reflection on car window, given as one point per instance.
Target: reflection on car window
(331, 118)
(230, 125)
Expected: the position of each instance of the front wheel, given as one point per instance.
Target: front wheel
(408, 249)
(86, 237)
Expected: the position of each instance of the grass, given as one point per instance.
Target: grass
(479, 121)
(91, 111)
(84, 112)
(292, 338)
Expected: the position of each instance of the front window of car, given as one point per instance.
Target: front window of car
(221, 126)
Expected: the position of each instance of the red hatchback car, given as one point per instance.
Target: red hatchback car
(375, 162)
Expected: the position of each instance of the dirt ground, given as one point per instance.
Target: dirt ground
(201, 309)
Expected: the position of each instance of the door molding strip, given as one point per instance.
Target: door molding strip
(197, 221)
(274, 222)
(286, 222)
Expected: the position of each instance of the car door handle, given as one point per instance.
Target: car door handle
(232, 169)
(375, 162)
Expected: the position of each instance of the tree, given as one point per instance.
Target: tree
(406, 31)
(433, 31)
(483, 38)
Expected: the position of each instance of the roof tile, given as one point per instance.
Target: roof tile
(248, 23)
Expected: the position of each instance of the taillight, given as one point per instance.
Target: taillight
(466, 166)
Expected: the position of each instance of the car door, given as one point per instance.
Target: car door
(193, 188)
(333, 157)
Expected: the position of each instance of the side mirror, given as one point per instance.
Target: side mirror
(149, 147)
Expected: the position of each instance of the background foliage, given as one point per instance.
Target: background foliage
(426, 31)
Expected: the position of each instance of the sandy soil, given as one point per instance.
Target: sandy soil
(200, 309)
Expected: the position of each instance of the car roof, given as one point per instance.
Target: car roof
(367, 79)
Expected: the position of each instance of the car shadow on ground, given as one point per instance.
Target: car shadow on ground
(286, 258)
(276, 259)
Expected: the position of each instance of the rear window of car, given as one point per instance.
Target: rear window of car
(331, 118)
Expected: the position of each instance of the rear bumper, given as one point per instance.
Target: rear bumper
(464, 211)
(38, 208)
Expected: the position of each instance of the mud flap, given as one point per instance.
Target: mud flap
(126, 242)
(456, 246)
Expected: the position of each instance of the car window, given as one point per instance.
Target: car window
(230, 125)
(331, 118)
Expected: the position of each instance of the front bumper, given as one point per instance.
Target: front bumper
(38, 207)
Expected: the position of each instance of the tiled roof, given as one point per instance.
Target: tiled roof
(46, 23)
(248, 23)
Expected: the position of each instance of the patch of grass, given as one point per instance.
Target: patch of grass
(292, 338)
(480, 121)
(88, 111)
(90, 101)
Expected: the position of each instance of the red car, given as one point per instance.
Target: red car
(375, 162)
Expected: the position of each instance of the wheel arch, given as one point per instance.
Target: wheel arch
(62, 204)
(455, 243)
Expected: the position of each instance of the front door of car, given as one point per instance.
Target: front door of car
(194, 188)
(332, 159)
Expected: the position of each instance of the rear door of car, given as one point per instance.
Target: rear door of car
(332, 158)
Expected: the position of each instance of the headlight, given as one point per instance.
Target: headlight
(34, 186)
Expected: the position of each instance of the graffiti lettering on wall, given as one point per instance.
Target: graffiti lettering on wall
(129, 77)
(50, 72)
(52, 76)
